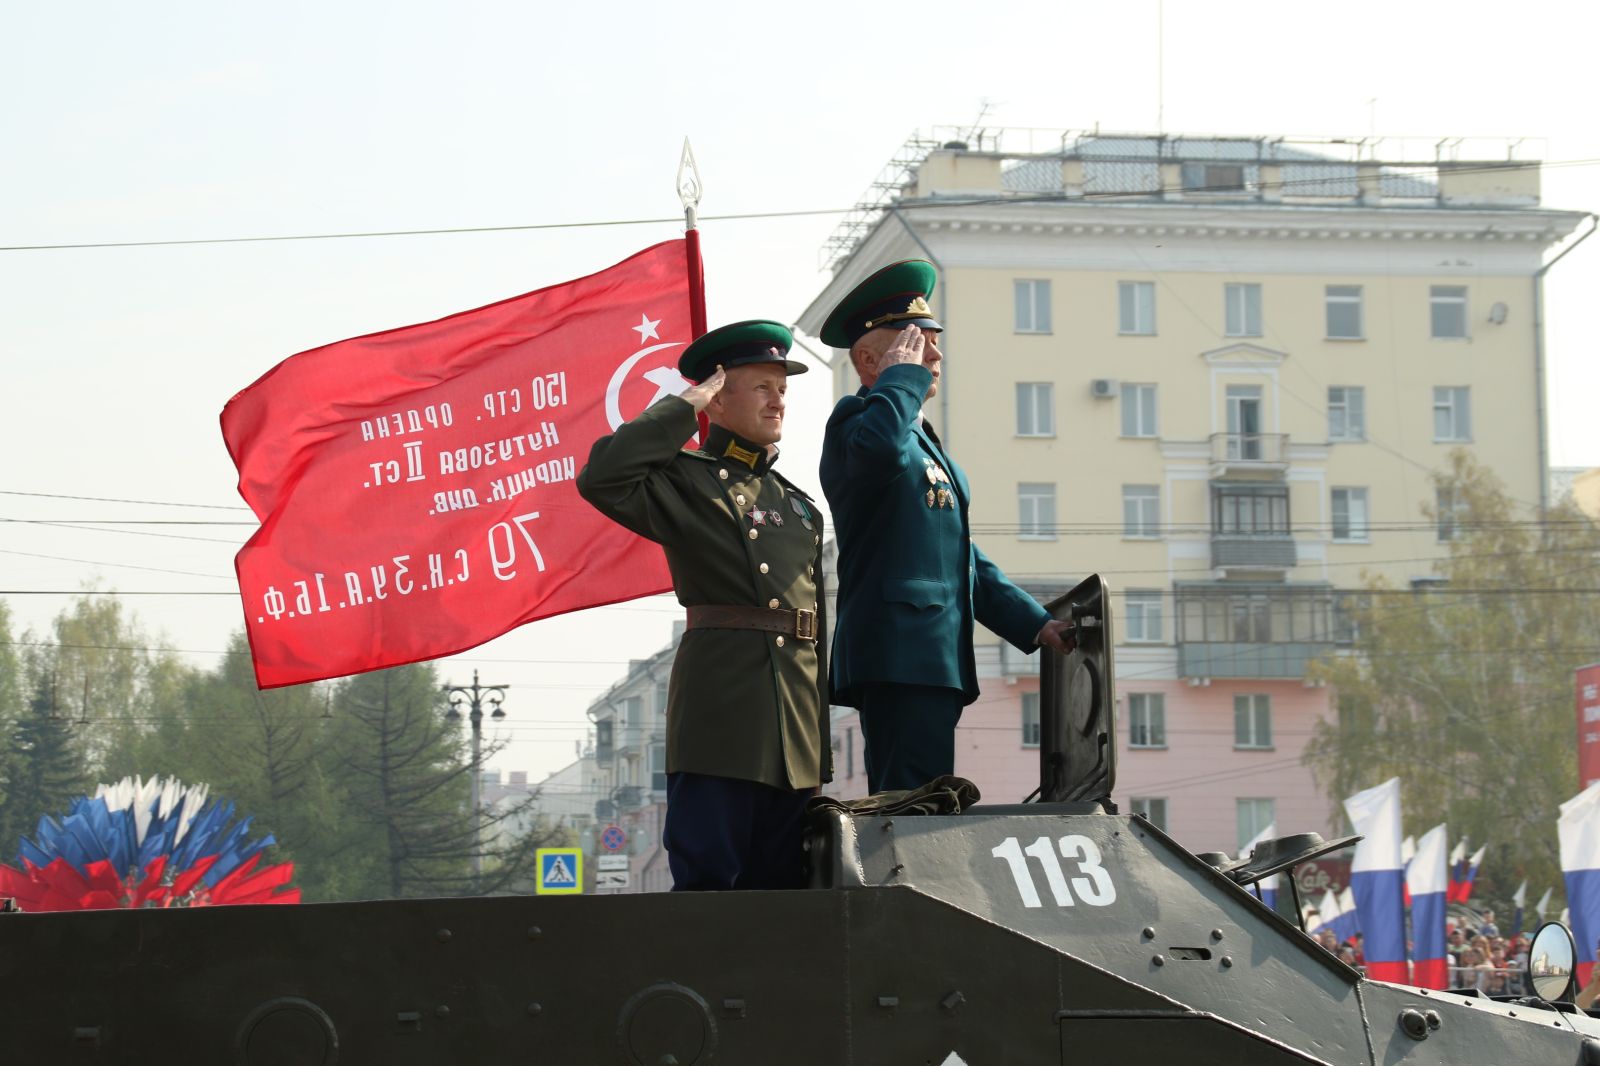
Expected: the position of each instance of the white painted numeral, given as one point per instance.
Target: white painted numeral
(1094, 888)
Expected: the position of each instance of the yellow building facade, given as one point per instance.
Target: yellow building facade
(1218, 372)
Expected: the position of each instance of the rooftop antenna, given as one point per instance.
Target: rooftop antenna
(975, 131)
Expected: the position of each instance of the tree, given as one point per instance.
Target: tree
(47, 768)
(404, 773)
(10, 711)
(1464, 687)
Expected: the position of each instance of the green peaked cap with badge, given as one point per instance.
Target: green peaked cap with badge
(756, 340)
(896, 296)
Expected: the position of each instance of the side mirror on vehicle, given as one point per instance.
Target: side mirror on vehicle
(1551, 961)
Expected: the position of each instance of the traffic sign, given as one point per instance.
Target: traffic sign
(611, 879)
(610, 862)
(560, 871)
(612, 838)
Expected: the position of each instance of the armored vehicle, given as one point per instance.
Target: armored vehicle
(1057, 931)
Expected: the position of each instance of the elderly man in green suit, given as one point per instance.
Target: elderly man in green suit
(911, 582)
(747, 708)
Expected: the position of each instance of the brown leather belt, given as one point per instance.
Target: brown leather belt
(791, 622)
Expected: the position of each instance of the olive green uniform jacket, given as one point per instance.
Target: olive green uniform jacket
(742, 703)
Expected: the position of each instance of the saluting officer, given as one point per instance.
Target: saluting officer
(747, 726)
(911, 582)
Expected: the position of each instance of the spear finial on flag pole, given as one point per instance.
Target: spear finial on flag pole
(689, 190)
(689, 187)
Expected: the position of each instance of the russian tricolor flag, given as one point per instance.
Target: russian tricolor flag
(1428, 877)
(1519, 900)
(1348, 922)
(1458, 870)
(1327, 911)
(1579, 830)
(1378, 878)
(1471, 875)
(1267, 887)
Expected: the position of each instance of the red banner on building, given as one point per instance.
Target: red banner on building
(415, 487)
(1588, 689)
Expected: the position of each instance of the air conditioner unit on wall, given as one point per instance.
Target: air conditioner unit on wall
(1102, 388)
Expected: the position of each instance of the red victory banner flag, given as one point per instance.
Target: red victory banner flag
(416, 487)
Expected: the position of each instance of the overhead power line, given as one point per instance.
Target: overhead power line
(1284, 184)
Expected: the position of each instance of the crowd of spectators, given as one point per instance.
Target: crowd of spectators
(1480, 957)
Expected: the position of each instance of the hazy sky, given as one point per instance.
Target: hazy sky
(188, 120)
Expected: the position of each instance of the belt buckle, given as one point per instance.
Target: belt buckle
(805, 624)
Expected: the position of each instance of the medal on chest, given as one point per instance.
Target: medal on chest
(938, 496)
(801, 510)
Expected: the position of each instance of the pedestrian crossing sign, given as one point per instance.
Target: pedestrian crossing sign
(560, 871)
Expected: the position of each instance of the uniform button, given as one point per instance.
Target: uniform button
(739, 499)
(773, 603)
(809, 572)
(763, 568)
(780, 640)
(754, 533)
(816, 540)
(723, 473)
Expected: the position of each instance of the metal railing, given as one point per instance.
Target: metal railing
(1267, 449)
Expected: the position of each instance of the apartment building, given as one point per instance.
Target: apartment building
(1217, 371)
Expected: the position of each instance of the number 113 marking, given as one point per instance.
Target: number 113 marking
(1095, 888)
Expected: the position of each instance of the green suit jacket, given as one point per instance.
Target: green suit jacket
(741, 703)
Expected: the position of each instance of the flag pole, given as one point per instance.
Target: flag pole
(689, 190)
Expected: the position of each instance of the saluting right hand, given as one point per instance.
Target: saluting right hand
(907, 348)
(700, 395)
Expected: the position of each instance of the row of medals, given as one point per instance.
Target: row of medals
(775, 516)
(938, 496)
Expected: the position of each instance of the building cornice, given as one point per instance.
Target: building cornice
(1254, 222)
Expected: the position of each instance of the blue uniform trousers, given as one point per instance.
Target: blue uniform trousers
(909, 733)
(724, 833)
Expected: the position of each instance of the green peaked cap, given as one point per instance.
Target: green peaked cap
(756, 340)
(895, 296)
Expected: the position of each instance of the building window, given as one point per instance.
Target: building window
(1250, 618)
(1141, 511)
(1447, 311)
(1152, 809)
(1036, 510)
(1350, 514)
(1142, 616)
(1030, 719)
(1452, 413)
(1448, 507)
(1147, 720)
(1138, 410)
(1250, 510)
(661, 698)
(1347, 412)
(658, 766)
(1136, 301)
(1242, 304)
(1344, 312)
(1254, 817)
(1213, 177)
(629, 712)
(1252, 722)
(1036, 413)
(1033, 306)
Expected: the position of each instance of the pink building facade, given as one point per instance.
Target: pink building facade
(1210, 763)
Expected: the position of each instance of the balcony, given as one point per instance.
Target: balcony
(1253, 455)
(1252, 631)
(1260, 552)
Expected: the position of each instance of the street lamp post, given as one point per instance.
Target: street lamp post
(475, 698)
